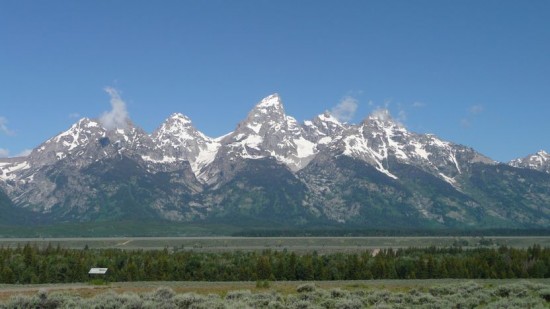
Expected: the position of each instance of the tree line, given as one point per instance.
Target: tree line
(31, 264)
(358, 232)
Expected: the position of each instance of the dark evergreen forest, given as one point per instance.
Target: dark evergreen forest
(30, 264)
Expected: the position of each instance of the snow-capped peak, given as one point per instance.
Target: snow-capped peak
(269, 132)
(177, 140)
(78, 134)
(180, 118)
(324, 128)
(86, 141)
(268, 106)
(539, 161)
(178, 126)
(80, 125)
(273, 100)
(87, 123)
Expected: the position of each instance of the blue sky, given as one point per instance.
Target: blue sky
(472, 72)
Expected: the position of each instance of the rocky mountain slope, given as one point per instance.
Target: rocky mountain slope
(273, 170)
(539, 161)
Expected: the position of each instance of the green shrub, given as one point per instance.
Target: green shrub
(467, 288)
(378, 297)
(384, 306)
(188, 300)
(531, 303)
(20, 301)
(400, 298)
(511, 290)
(238, 295)
(424, 299)
(545, 294)
(109, 300)
(300, 304)
(209, 304)
(338, 293)
(307, 287)
(275, 304)
(262, 300)
(347, 303)
(238, 305)
(263, 284)
(414, 292)
(131, 301)
(327, 303)
(443, 290)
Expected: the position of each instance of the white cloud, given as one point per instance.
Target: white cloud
(4, 153)
(381, 113)
(24, 153)
(402, 115)
(345, 110)
(418, 104)
(476, 109)
(74, 115)
(4, 126)
(473, 112)
(117, 117)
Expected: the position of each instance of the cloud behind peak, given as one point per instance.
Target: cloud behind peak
(345, 109)
(117, 117)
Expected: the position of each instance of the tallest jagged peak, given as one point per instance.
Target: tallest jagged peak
(272, 101)
(268, 107)
(178, 117)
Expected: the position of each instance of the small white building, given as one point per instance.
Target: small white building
(97, 271)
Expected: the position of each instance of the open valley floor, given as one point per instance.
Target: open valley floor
(294, 244)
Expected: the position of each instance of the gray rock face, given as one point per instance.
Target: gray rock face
(375, 172)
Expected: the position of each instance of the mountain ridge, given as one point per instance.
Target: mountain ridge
(321, 170)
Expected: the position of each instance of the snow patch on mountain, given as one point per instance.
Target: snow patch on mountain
(164, 159)
(9, 170)
(304, 148)
(358, 147)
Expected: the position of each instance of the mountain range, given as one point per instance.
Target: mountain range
(273, 171)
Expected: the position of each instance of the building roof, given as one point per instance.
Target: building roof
(97, 271)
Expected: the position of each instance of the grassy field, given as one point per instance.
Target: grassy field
(295, 244)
